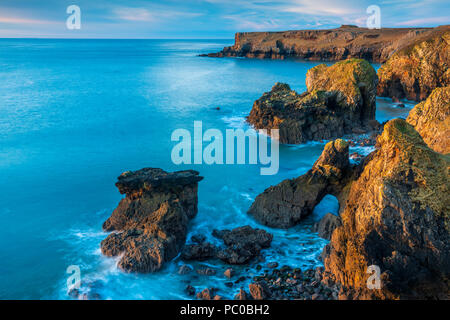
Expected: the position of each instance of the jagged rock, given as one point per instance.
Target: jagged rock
(340, 99)
(327, 225)
(259, 290)
(206, 271)
(184, 269)
(431, 118)
(416, 70)
(242, 295)
(199, 252)
(396, 217)
(206, 294)
(151, 221)
(322, 45)
(284, 205)
(243, 244)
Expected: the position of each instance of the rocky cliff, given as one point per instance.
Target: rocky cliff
(394, 214)
(340, 99)
(416, 70)
(431, 118)
(150, 223)
(396, 217)
(324, 45)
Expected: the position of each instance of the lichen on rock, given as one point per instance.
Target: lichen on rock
(339, 100)
(396, 217)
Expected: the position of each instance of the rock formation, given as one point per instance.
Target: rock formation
(416, 70)
(286, 204)
(242, 244)
(340, 100)
(334, 44)
(396, 217)
(431, 118)
(150, 223)
(327, 225)
(394, 212)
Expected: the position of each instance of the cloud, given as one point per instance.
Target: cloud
(133, 14)
(424, 21)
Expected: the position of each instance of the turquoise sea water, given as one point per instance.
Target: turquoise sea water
(74, 114)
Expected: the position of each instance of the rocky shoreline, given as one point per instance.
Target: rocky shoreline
(393, 203)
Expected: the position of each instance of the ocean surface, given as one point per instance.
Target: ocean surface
(75, 114)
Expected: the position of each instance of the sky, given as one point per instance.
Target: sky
(198, 19)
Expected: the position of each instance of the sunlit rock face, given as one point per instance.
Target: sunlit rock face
(416, 70)
(340, 100)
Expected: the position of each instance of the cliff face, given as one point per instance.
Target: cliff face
(431, 118)
(396, 217)
(339, 100)
(325, 45)
(151, 221)
(416, 70)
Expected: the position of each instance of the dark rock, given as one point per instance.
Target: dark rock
(286, 204)
(272, 265)
(190, 290)
(206, 271)
(184, 269)
(200, 252)
(326, 225)
(242, 295)
(152, 219)
(243, 244)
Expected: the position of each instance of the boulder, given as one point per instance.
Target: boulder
(150, 223)
(396, 217)
(431, 118)
(286, 204)
(260, 290)
(199, 251)
(416, 70)
(243, 244)
(327, 225)
(340, 99)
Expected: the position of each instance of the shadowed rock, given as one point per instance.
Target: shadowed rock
(327, 225)
(286, 204)
(151, 221)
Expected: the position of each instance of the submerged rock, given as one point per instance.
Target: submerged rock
(340, 100)
(286, 204)
(416, 70)
(151, 222)
(431, 118)
(396, 217)
(243, 244)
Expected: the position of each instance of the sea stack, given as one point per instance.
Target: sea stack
(340, 100)
(150, 223)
